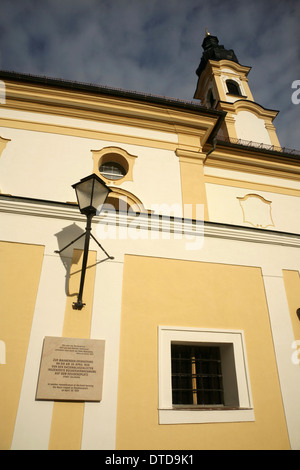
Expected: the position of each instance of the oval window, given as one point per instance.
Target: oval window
(112, 170)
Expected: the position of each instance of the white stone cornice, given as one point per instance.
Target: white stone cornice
(153, 222)
(247, 234)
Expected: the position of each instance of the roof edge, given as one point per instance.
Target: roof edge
(113, 92)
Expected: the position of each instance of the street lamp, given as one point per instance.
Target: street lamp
(91, 194)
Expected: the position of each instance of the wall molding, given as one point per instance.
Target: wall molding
(153, 222)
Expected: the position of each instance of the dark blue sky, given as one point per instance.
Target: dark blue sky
(154, 46)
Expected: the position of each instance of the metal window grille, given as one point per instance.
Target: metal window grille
(112, 170)
(196, 375)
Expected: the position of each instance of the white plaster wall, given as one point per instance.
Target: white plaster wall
(229, 70)
(224, 207)
(250, 127)
(156, 177)
(44, 165)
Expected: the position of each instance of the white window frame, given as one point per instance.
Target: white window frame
(169, 414)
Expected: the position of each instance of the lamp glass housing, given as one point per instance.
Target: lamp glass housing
(91, 194)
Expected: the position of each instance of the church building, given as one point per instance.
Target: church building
(150, 266)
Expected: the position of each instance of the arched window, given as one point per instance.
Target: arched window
(233, 88)
(210, 99)
(123, 201)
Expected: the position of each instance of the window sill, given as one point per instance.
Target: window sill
(195, 415)
(237, 96)
(207, 407)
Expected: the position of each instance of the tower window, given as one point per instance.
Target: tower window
(233, 88)
(211, 99)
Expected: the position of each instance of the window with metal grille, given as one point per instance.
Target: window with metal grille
(112, 170)
(196, 375)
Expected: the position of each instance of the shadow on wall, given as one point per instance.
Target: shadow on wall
(71, 235)
(68, 239)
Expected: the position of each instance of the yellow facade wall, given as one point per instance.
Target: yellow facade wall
(67, 417)
(292, 288)
(19, 279)
(194, 294)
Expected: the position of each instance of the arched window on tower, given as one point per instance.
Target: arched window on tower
(233, 88)
(210, 99)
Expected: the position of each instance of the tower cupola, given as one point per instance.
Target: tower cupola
(213, 51)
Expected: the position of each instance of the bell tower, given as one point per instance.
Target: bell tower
(223, 85)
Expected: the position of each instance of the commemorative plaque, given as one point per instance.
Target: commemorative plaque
(71, 369)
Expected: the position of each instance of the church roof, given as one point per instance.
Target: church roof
(104, 90)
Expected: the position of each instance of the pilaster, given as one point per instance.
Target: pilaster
(194, 198)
